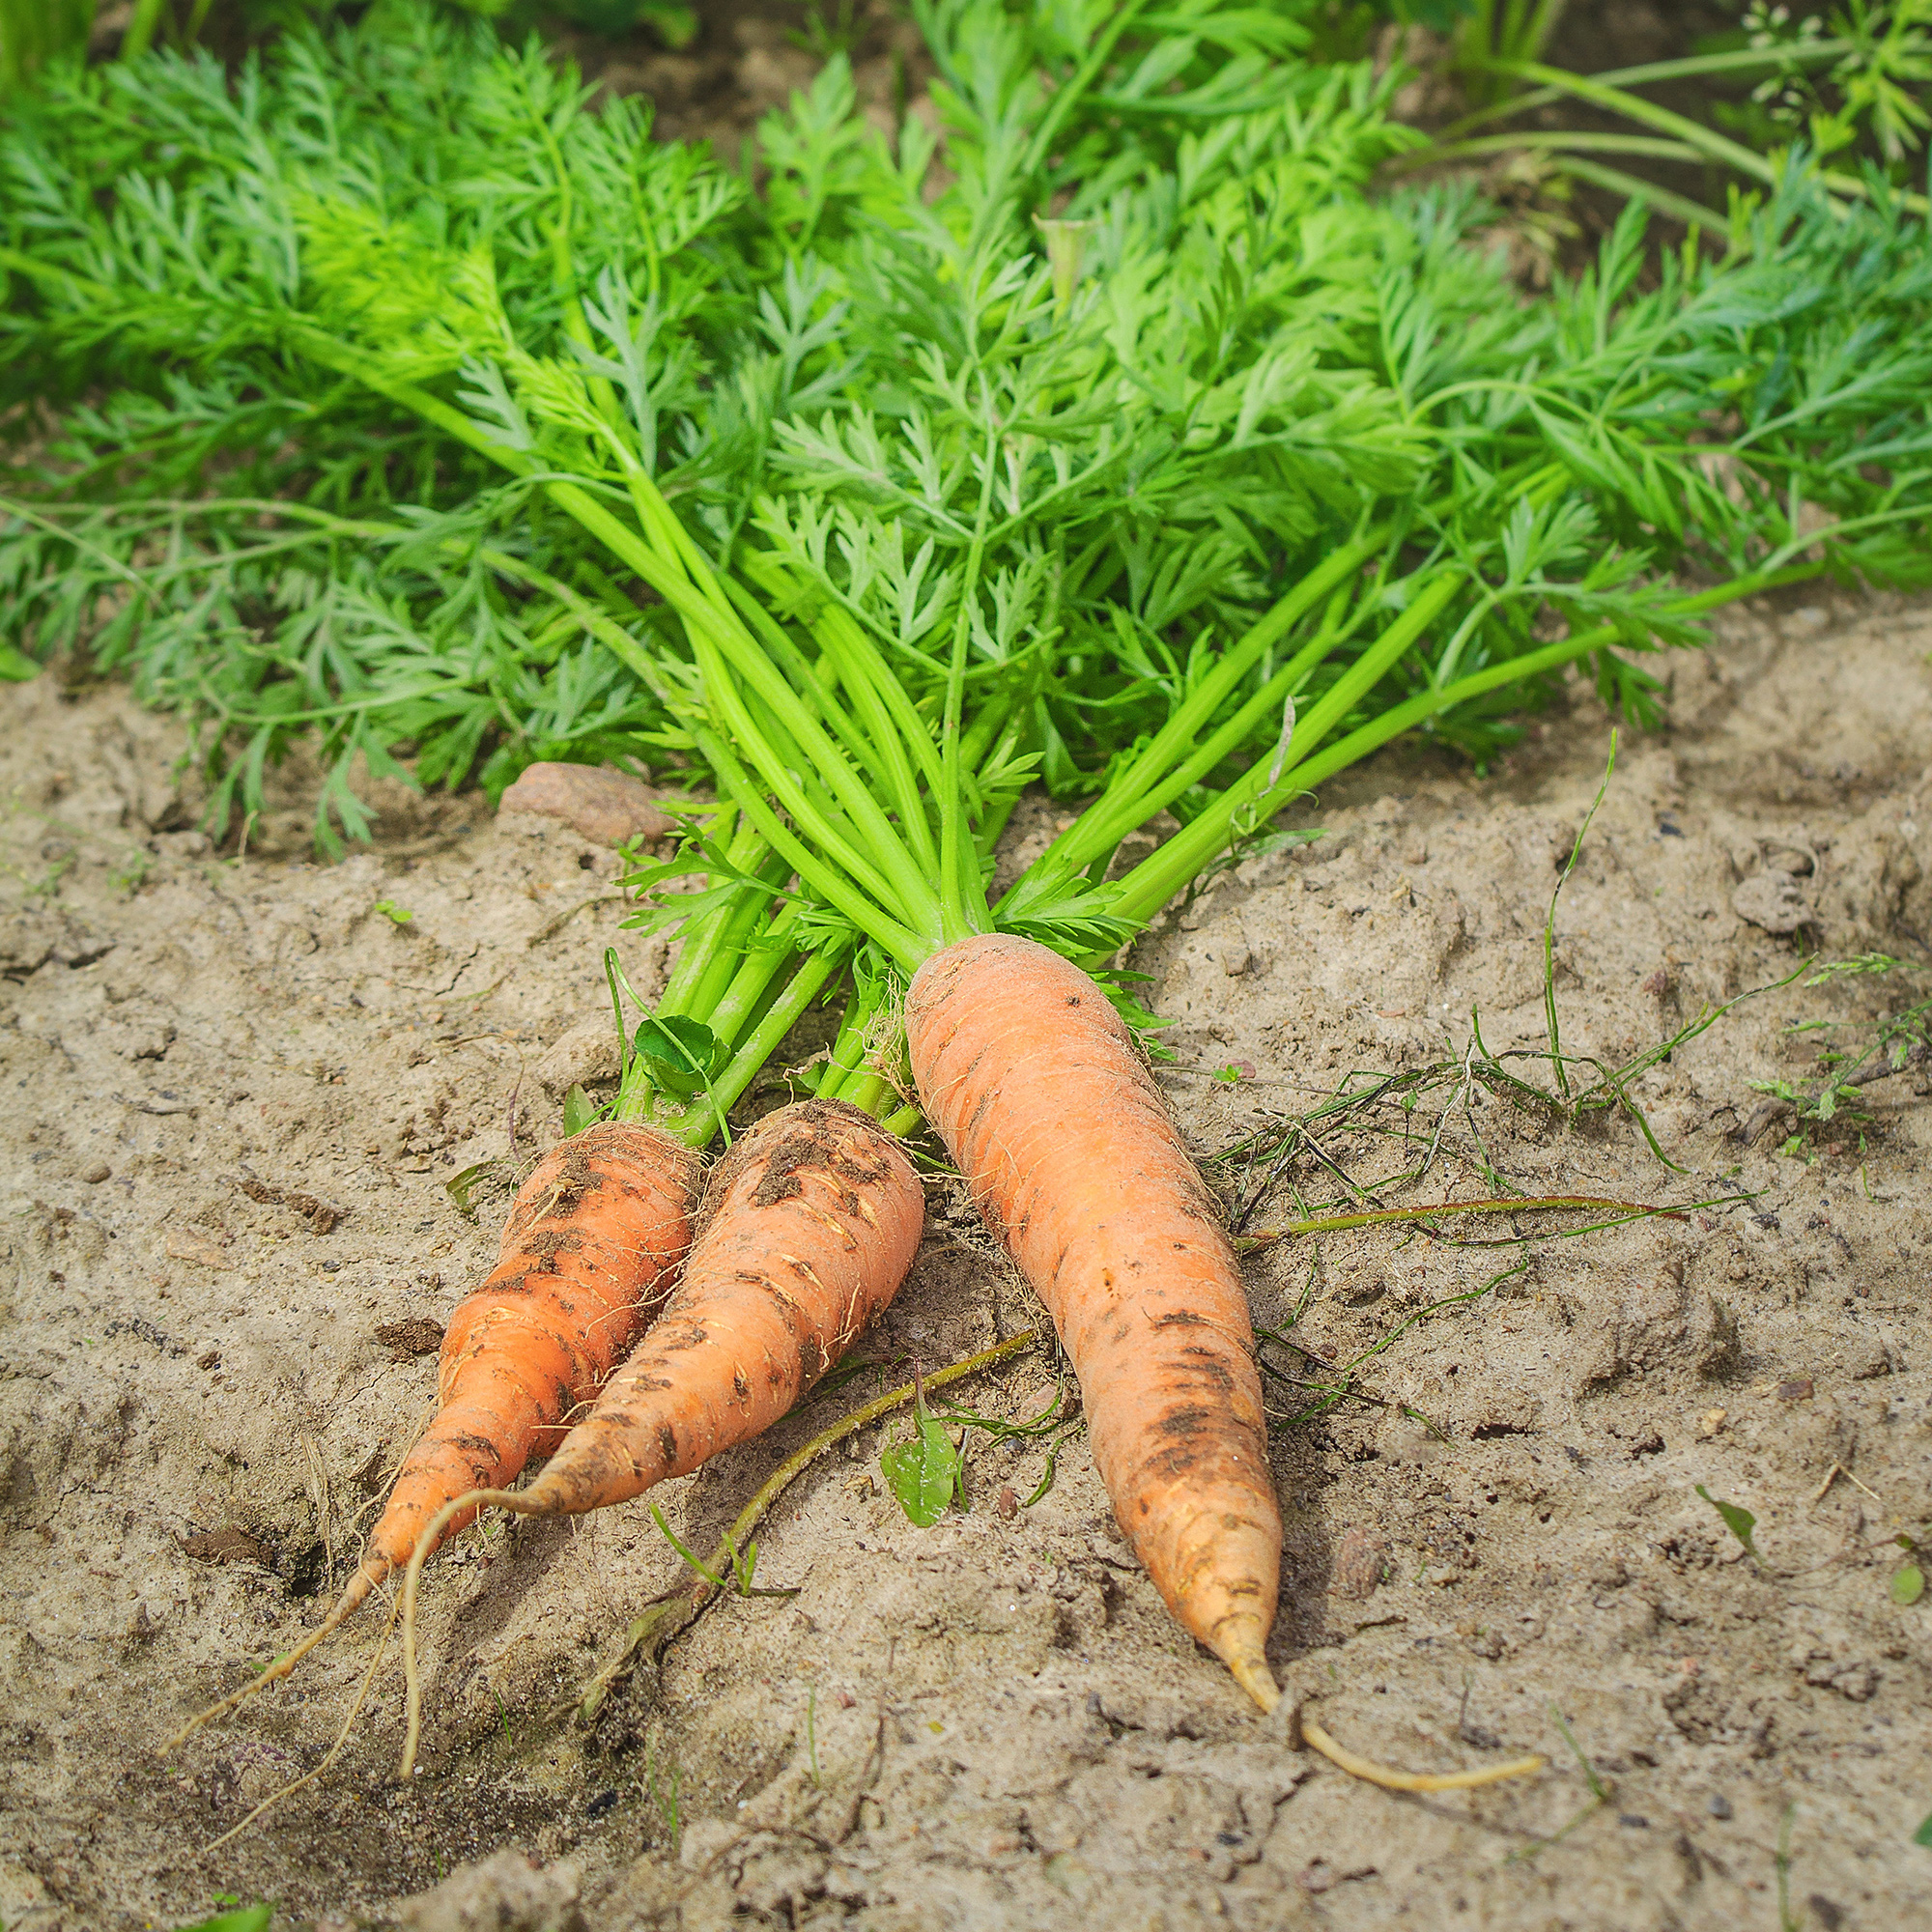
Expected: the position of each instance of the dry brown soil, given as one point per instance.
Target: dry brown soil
(992, 1722)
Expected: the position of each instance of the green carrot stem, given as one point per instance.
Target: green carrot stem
(804, 986)
(1148, 887)
(751, 920)
(820, 871)
(1099, 832)
(1181, 731)
(848, 1051)
(1635, 107)
(1152, 884)
(1696, 66)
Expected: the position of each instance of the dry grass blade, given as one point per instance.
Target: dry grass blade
(1508, 1204)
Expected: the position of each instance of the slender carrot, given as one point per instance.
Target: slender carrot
(591, 1239)
(1035, 1086)
(807, 1228)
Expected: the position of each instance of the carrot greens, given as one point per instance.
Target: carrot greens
(1119, 436)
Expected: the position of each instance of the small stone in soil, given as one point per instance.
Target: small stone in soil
(609, 807)
(1717, 1805)
(1361, 1562)
(1800, 1390)
(95, 1171)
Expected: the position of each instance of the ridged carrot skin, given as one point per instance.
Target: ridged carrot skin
(587, 1255)
(1034, 1085)
(807, 1229)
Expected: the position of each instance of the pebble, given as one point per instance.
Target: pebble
(95, 1171)
(609, 807)
(1717, 1805)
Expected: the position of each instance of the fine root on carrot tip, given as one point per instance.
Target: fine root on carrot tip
(1371, 1773)
(322, 1770)
(519, 1503)
(275, 1674)
(1254, 1677)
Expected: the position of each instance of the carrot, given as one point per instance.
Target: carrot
(807, 1228)
(593, 1235)
(1035, 1086)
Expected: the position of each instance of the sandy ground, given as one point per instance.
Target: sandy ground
(204, 1380)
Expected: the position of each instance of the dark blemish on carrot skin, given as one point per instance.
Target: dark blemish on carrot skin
(1211, 1369)
(668, 1444)
(476, 1446)
(740, 1387)
(1186, 1422)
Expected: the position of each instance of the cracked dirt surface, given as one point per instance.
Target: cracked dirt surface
(239, 1089)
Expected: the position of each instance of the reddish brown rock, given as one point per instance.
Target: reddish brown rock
(1361, 1563)
(609, 807)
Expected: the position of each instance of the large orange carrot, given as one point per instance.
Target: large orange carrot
(807, 1228)
(592, 1237)
(1036, 1087)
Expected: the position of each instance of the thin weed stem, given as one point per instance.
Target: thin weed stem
(676, 1611)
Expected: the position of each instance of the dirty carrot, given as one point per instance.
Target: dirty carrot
(593, 1235)
(807, 1228)
(1036, 1087)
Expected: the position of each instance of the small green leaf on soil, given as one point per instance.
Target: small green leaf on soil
(1738, 1520)
(1923, 1835)
(925, 1472)
(396, 915)
(1908, 1584)
(579, 1111)
(245, 1918)
(460, 1187)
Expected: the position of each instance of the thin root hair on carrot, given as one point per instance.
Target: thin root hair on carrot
(273, 1674)
(674, 1612)
(1371, 1773)
(513, 1500)
(334, 1751)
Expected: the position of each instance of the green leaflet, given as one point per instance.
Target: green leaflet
(925, 1472)
(1738, 1521)
(243, 1919)
(680, 1054)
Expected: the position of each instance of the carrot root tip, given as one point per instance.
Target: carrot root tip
(1390, 1780)
(1252, 1674)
